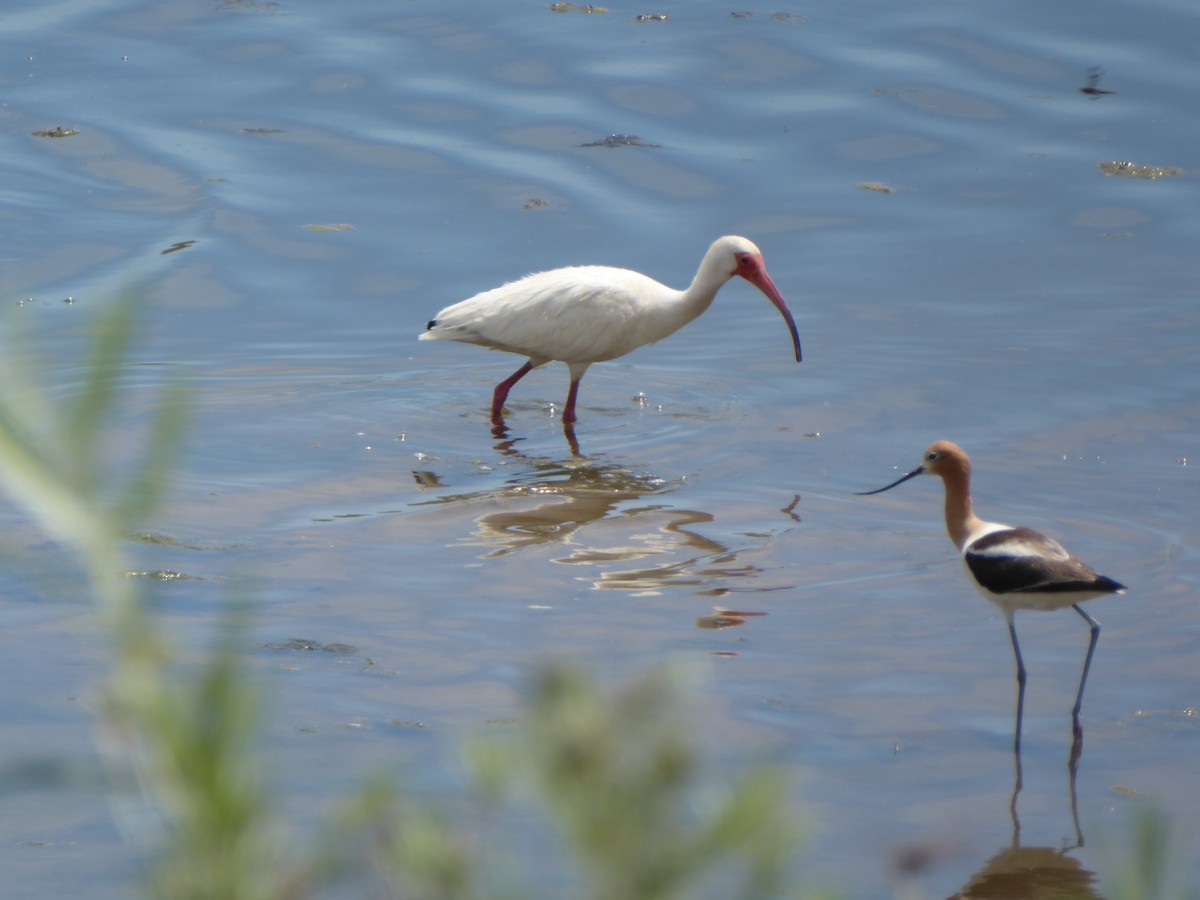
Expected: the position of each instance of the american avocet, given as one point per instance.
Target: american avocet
(587, 314)
(1015, 568)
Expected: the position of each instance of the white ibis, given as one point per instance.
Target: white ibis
(1015, 568)
(587, 314)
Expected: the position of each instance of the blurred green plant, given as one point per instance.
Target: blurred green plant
(620, 781)
(1141, 869)
(616, 774)
(187, 742)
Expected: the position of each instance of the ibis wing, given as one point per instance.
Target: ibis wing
(586, 313)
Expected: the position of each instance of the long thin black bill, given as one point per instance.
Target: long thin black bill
(913, 474)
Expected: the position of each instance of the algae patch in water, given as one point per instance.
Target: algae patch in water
(312, 646)
(620, 140)
(163, 575)
(1134, 170)
(725, 618)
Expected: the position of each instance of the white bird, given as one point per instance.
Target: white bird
(1015, 568)
(587, 314)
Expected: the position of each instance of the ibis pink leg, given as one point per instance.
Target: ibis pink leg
(569, 412)
(502, 389)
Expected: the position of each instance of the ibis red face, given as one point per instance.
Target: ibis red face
(750, 266)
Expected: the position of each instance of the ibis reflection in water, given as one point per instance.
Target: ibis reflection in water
(555, 502)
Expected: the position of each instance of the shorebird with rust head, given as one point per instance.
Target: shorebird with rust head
(1015, 568)
(587, 314)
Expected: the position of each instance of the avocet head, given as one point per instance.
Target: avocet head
(939, 458)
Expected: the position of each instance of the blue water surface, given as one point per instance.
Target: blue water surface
(294, 189)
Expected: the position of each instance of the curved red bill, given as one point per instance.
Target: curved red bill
(755, 272)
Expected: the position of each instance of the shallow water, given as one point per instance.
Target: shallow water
(1005, 295)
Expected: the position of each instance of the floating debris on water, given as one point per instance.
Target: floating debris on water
(164, 575)
(725, 618)
(1128, 169)
(652, 17)
(250, 6)
(536, 203)
(178, 245)
(167, 540)
(1092, 88)
(304, 644)
(877, 186)
(426, 479)
(790, 509)
(620, 140)
(262, 131)
(575, 7)
(58, 132)
(784, 17)
(330, 229)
